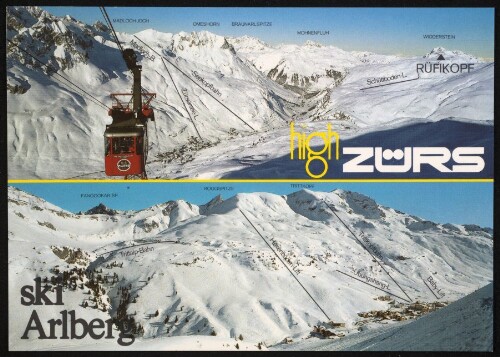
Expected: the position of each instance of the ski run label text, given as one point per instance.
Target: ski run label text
(133, 253)
(369, 279)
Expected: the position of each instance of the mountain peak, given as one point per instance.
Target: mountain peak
(101, 208)
(438, 50)
(98, 25)
(213, 202)
(442, 53)
(313, 44)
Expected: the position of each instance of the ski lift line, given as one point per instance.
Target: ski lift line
(90, 173)
(373, 286)
(180, 96)
(182, 101)
(286, 266)
(184, 104)
(388, 84)
(117, 41)
(161, 101)
(378, 262)
(146, 92)
(96, 101)
(192, 80)
(156, 133)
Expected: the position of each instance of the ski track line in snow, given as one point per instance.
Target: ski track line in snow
(180, 97)
(54, 71)
(430, 289)
(90, 173)
(378, 262)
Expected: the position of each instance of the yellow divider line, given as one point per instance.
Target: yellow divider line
(309, 181)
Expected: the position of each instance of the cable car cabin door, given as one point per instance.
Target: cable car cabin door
(125, 152)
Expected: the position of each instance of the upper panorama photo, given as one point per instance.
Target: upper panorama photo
(249, 93)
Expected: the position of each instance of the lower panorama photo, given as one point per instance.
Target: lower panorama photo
(251, 266)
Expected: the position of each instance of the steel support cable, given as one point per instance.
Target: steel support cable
(108, 21)
(113, 33)
(117, 41)
(185, 107)
(180, 96)
(106, 18)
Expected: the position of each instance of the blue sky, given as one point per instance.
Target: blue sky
(381, 30)
(461, 203)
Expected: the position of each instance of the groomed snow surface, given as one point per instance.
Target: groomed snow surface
(207, 270)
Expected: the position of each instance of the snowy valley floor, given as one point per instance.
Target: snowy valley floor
(267, 155)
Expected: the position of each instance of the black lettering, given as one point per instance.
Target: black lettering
(125, 329)
(59, 291)
(109, 325)
(38, 327)
(40, 294)
(52, 324)
(74, 322)
(64, 314)
(92, 326)
(26, 292)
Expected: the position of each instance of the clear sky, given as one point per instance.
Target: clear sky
(461, 203)
(381, 30)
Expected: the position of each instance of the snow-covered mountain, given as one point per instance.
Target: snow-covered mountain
(52, 123)
(308, 68)
(55, 131)
(181, 269)
(444, 54)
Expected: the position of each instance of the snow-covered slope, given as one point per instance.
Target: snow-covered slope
(464, 325)
(206, 271)
(308, 68)
(55, 131)
(51, 124)
(431, 96)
